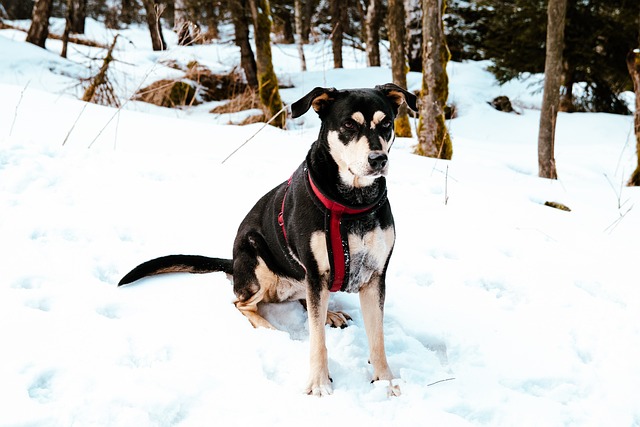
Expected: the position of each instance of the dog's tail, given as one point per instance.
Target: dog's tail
(178, 264)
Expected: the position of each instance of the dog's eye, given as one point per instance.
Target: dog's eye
(350, 125)
(386, 124)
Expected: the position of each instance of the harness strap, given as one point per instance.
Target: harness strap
(339, 246)
(281, 214)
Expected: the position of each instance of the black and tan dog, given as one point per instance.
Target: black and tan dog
(328, 228)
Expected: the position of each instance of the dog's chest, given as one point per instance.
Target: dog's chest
(368, 254)
(365, 254)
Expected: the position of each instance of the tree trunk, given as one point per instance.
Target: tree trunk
(241, 28)
(309, 8)
(337, 22)
(433, 137)
(633, 64)
(395, 28)
(299, 35)
(39, 29)
(182, 24)
(154, 10)
(213, 16)
(556, 13)
(414, 34)
(17, 9)
(267, 80)
(67, 29)
(373, 21)
(77, 16)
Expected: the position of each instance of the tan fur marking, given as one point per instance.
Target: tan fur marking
(175, 269)
(378, 116)
(352, 160)
(358, 117)
(250, 309)
(275, 288)
(319, 101)
(319, 250)
(397, 97)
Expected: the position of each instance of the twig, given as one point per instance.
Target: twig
(446, 185)
(15, 113)
(440, 381)
(257, 132)
(615, 223)
(74, 124)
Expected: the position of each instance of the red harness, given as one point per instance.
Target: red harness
(337, 241)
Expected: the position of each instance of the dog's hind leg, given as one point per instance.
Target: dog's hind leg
(252, 281)
(249, 308)
(371, 303)
(335, 319)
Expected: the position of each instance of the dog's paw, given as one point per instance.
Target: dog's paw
(338, 319)
(392, 386)
(319, 387)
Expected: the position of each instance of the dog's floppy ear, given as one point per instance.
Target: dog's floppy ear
(398, 95)
(318, 98)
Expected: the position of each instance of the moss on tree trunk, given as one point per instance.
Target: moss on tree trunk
(267, 80)
(399, 67)
(633, 64)
(433, 137)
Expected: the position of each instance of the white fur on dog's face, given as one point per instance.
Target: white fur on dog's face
(352, 157)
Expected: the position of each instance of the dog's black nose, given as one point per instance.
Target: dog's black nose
(378, 160)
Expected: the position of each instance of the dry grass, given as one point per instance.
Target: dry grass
(246, 100)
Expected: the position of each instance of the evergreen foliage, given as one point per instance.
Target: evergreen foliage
(511, 33)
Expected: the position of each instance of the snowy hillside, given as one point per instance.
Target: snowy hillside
(500, 311)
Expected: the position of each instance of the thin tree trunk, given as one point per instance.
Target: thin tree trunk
(395, 28)
(337, 22)
(633, 65)
(39, 29)
(77, 16)
(182, 24)
(556, 13)
(309, 8)
(154, 10)
(67, 29)
(267, 80)
(413, 10)
(299, 35)
(241, 28)
(433, 137)
(213, 15)
(373, 21)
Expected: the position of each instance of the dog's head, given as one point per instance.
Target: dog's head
(357, 126)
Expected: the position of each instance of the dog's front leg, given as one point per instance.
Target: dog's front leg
(372, 306)
(319, 380)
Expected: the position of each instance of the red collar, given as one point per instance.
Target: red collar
(334, 206)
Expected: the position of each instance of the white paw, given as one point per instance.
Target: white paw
(392, 386)
(319, 387)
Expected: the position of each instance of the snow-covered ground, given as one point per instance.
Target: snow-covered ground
(500, 311)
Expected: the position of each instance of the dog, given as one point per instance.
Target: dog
(328, 228)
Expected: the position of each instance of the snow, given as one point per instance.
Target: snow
(500, 311)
